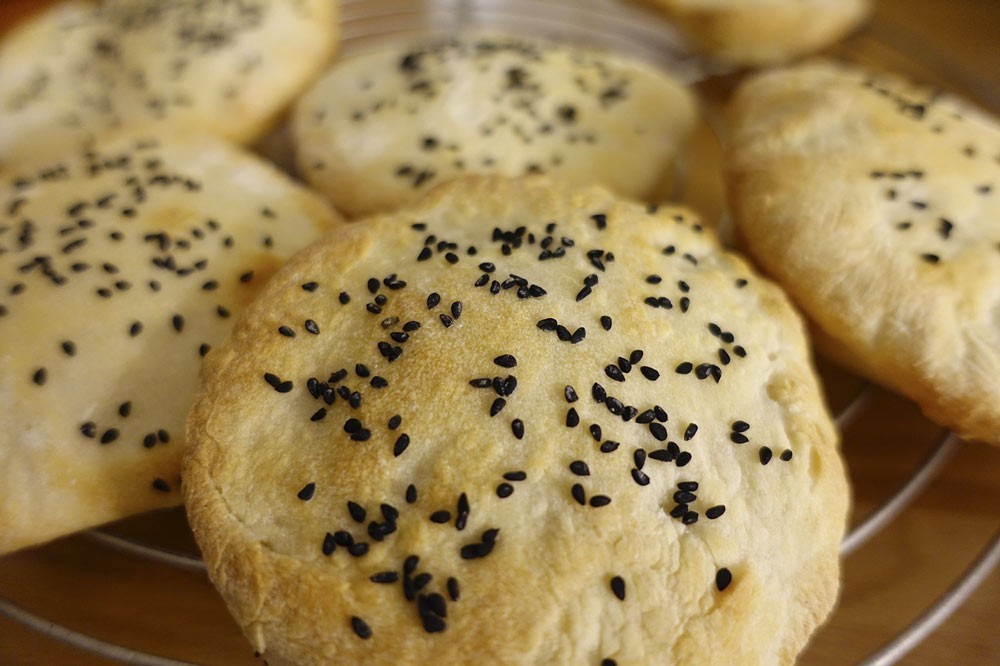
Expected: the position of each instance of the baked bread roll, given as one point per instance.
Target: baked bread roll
(763, 32)
(80, 69)
(873, 201)
(380, 129)
(531, 424)
(120, 266)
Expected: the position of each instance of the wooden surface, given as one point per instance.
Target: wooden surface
(123, 599)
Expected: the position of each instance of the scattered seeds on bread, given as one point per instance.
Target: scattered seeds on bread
(227, 67)
(534, 423)
(120, 267)
(874, 202)
(380, 129)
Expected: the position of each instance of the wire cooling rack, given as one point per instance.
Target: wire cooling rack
(623, 28)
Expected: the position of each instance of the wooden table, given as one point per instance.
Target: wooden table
(119, 598)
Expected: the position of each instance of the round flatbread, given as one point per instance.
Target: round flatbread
(380, 129)
(763, 32)
(80, 69)
(873, 201)
(120, 267)
(533, 424)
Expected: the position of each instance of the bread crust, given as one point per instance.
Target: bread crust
(764, 32)
(380, 129)
(81, 69)
(120, 266)
(265, 479)
(870, 199)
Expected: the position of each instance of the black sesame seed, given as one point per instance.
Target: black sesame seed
(640, 477)
(286, 331)
(307, 492)
(362, 435)
(384, 577)
(578, 494)
(600, 219)
(402, 442)
(572, 418)
(608, 662)
(497, 406)
(606, 322)
(609, 446)
(618, 587)
(688, 486)
(358, 549)
(440, 517)
(715, 511)
(517, 427)
(161, 485)
(312, 326)
(515, 476)
(453, 591)
(683, 458)
(411, 494)
(357, 511)
(39, 376)
(432, 300)
(786, 455)
(765, 455)
(723, 577)
(505, 490)
(446, 320)
(690, 518)
(505, 361)
(378, 382)
(361, 627)
(658, 431)
(684, 368)
(690, 432)
(344, 298)
(679, 511)
(547, 324)
(599, 501)
(595, 431)
(579, 468)
(598, 392)
(110, 435)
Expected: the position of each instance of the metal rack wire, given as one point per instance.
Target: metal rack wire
(624, 28)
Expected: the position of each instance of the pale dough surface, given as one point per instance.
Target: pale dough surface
(763, 32)
(119, 267)
(380, 129)
(874, 202)
(81, 69)
(273, 463)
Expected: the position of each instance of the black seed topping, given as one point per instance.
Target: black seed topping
(344, 298)
(505, 490)
(578, 494)
(689, 486)
(505, 361)
(690, 432)
(572, 418)
(39, 376)
(640, 477)
(357, 511)
(432, 300)
(738, 438)
(599, 501)
(658, 431)
(723, 578)
(453, 591)
(579, 468)
(361, 627)
(715, 512)
(618, 587)
(598, 392)
(307, 492)
(606, 322)
(609, 446)
(690, 518)
(411, 494)
(614, 372)
(384, 577)
(161, 485)
(402, 442)
(312, 326)
(110, 435)
(765, 455)
(497, 406)
(786, 455)
(441, 517)
(740, 426)
(595, 431)
(684, 368)
(286, 331)
(517, 427)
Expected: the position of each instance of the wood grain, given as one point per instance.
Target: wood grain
(122, 599)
